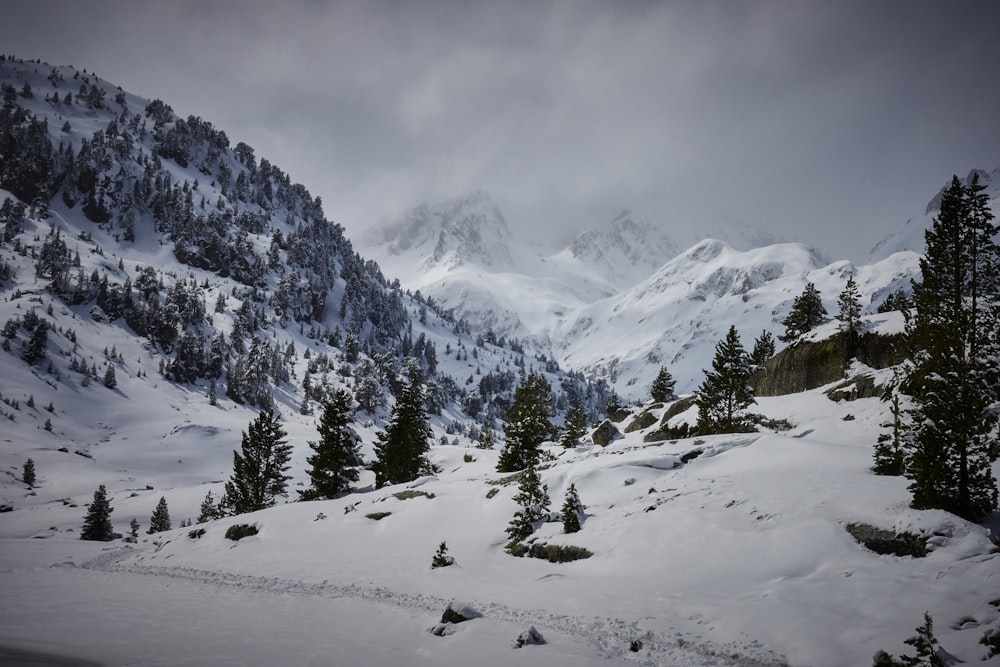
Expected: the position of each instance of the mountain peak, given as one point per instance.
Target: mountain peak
(468, 230)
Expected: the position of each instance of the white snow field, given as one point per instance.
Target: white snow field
(737, 557)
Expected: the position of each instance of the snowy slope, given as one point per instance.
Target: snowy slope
(737, 557)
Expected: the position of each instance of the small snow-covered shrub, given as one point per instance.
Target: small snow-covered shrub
(441, 557)
(412, 493)
(468, 458)
(198, 533)
(238, 531)
(554, 553)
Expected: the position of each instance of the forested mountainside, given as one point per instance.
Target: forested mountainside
(136, 218)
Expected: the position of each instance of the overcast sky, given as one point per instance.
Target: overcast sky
(827, 122)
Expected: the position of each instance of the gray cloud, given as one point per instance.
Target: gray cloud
(829, 123)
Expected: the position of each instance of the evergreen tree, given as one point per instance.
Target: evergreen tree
(571, 510)
(487, 440)
(441, 557)
(954, 374)
(725, 393)
(400, 453)
(110, 381)
(334, 463)
(763, 349)
(576, 425)
(926, 645)
(663, 386)
(533, 497)
(160, 521)
(807, 312)
(849, 316)
(528, 424)
(209, 509)
(34, 350)
(97, 522)
(614, 404)
(888, 455)
(133, 530)
(28, 473)
(259, 473)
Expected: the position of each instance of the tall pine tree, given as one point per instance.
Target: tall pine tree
(725, 394)
(336, 456)
(849, 303)
(528, 424)
(663, 386)
(533, 497)
(953, 331)
(575, 426)
(97, 522)
(259, 472)
(400, 453)
(160, 521)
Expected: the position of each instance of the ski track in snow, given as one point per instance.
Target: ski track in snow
(610, 637)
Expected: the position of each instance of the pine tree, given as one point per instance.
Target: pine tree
(849, 316)
(334, 463)
(97, 523)
(400, 453)
(888, 455)
(110, 381)
(160, 521)
(528, 424)
(34, 350)
(133, 530)
(209, 509)
(533, 498)
(725, 393)
(663, 386)
(575, 426)
(807, 312)
(28, 473)
(614, 405)
(441, 557)
(954, 374)
(926, 645)
(487, 439)
(259, 473)
(571, 510)
(763, 349)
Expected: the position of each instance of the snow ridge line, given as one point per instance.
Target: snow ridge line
(612, 638)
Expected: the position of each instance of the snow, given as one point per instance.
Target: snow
(738, 557)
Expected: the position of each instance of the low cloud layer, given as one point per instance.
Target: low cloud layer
(827, 123)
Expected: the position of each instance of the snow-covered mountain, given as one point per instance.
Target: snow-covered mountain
(910, 237)
(159, 287)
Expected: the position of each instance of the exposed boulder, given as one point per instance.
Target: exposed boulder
(811, 364)
(644, 419)
(605, 433)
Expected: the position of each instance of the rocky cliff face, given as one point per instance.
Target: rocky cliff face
(811, 364)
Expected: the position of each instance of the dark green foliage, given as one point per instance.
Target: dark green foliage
(97, 522)
(725, 393)
(571, 510)
(336, 456)
(28, 473)
(575, 427)
(209, 509)
(888, 455)
(807, 313)
(196, 534)
(133, 530)
(441, 557)
(763, 349)
(898, 300)
(238, 531)
(528, 424)
(259, 473)
(34, 350)
(554, 553)
(533, 498)
(160, 521)
(662, 389)
(954, 374)
(925, 645)
(849, 316)
(110, 381)
(400, 453)
(613, 406)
